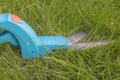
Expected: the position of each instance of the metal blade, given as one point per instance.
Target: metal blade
(90, 44)
(76, 37)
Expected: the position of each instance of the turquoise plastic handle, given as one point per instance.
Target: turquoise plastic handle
(19, 33)
(55, 42)
(8, 37)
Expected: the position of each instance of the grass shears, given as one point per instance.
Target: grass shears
(19, 33)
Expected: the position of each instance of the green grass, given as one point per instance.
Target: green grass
(99, 18)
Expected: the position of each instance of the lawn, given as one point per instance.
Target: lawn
(99, 18)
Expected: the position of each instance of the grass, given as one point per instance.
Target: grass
(99, 18)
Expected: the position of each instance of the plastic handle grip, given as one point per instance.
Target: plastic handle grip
(23, 33)
(55, 42)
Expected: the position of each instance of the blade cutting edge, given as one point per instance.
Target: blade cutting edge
(86, 45)
(76, 37)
